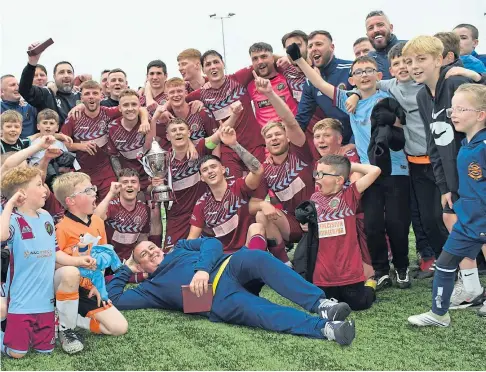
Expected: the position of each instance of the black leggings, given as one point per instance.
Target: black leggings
(357, 295)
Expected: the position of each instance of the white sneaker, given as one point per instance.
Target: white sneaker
(71, 341)
(461, 299)
(430, 319)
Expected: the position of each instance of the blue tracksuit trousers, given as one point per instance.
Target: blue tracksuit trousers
(233, 303)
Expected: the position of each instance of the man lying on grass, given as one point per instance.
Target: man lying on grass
(201, 261)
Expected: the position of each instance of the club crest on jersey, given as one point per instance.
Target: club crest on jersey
(25, 230)
(49, 228)
(137, 220)
(342, 86)
(102, 125)
(193, 127)
(334, 203)
(474, 171)
(280, 86)
(11, 231)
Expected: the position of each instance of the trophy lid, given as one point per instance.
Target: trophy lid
(155, 148)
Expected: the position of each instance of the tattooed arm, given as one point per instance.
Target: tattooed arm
(115, 164)
(228, 137)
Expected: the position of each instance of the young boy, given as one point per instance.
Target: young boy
(339, 269)
(390, 192)
(30, 236)
(468, 114)
(424, 60)
(77, 300)
(11, 125)
(430, 232)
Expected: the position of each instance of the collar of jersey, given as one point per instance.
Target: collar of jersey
(77, 219)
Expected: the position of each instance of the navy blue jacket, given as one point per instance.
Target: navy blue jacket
(29, 116)
(381, 57)
(470, 208)
(336, 73)
(162, 289)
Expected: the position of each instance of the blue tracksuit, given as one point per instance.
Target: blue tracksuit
(381, 57)
(336, 73)
(29, 116)
(469, 232)
(232, 303)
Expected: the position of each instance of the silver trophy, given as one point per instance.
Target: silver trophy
(156, 163)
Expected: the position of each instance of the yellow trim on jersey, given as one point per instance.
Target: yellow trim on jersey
(219, 273)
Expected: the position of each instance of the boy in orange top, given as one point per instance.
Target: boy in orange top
(77, 301)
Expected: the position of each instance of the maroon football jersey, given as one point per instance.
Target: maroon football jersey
(291, 181)
(228, 219)
(218, 102)
(87, 129)
(188, 188)
(123, 227)
(160, 99)
(339, 261)
(128, 144)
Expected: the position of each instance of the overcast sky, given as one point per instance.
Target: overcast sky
(94, 35)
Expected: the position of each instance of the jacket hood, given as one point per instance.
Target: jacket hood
(476, 140)
(443, 72)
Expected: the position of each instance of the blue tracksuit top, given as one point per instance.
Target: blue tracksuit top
(470, 208)
(336, 72)
(381, 57)
(481, 57)
(162, 289)
(29, 116)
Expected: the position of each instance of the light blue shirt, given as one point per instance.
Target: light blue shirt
(361, 126)
(30, 277)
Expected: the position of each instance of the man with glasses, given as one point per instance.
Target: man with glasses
(390, 193)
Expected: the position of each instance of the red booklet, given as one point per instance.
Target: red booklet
(193, 304)
(40, 48)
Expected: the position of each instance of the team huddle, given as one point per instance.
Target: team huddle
(329, 159)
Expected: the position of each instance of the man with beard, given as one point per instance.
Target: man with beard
(296, 80)
(117, 81)
(89, 132)
(202, 261)
(225, 90)
(11, 101)
(155, 93)
(288, 175)
(262, 59)
(320, 51)
(189, 62)
(62, 101)
(380, 33)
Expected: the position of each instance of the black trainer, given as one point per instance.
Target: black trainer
(403, 279)
(382, 281)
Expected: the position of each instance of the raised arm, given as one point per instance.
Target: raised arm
(314, 77)
(102, 208)
(18, 157)
(370, 174)
(252, 180)
(294, 133)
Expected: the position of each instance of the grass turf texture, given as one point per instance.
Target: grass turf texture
(167, 340)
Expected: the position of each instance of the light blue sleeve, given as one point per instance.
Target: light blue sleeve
(340, 98)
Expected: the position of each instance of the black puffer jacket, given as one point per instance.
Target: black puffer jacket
(305, 254)
(385, 136)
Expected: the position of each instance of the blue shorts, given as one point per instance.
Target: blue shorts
(459, 245)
